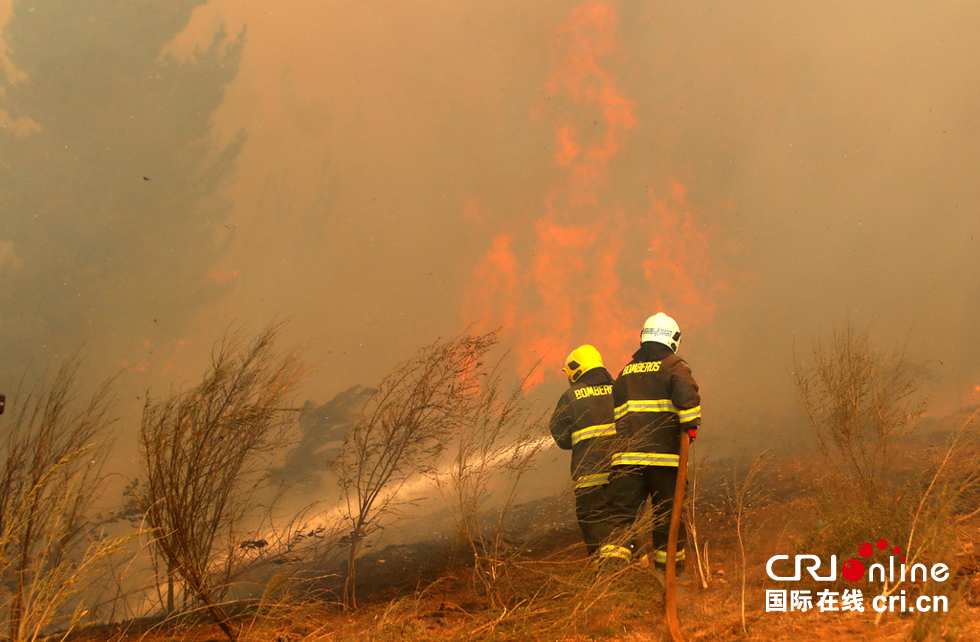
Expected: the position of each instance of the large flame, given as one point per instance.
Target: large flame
(590, 271)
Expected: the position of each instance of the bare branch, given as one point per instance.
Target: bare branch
(402, 430)
(205, 454)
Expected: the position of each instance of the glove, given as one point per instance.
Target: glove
(693, 432)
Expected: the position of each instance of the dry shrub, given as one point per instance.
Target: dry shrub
(400, 432)
(54, 449)
(492, 450)
(693, 516)
(205, 453)
(745, 498)
(944, 498)
(863, 403)
(859, 400)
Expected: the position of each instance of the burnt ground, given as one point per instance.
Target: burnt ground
(421, 592)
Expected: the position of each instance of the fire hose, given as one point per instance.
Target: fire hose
(670, 581)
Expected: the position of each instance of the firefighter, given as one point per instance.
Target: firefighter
(583, 423)
(655, 398)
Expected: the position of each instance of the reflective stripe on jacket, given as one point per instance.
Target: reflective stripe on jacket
(654, 396)
(583, 423)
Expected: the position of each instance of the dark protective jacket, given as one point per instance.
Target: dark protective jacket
(655, 396)
(583, 423)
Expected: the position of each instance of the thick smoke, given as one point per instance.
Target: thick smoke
(821, 156)
(322, 431)
(109, 176)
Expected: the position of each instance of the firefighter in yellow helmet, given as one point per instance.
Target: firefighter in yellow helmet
(655, 397)
(583, 423)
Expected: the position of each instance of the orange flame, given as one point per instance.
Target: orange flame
(595, 271)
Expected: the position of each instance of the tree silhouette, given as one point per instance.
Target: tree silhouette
(109, 212)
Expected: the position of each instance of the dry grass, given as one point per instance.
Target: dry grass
(744, 498)
(54, 449)
(692, 522)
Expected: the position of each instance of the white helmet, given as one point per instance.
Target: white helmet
(661, 329)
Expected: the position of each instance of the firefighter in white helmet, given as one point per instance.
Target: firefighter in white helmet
(583, 423)
(655, 397)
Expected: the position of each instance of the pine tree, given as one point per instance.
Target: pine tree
(109, 208)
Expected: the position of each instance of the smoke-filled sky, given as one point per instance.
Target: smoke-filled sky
(563, 169)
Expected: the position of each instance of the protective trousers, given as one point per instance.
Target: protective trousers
(592, 511)
(629, 488)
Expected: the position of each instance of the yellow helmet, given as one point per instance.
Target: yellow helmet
(581, 360)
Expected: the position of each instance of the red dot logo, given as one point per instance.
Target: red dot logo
(853, 570)
(865, 550)
(882, 544)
